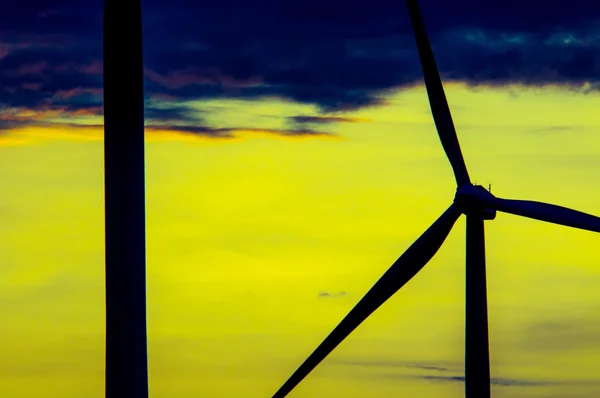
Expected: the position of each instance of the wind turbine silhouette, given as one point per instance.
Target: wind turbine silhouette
(126, 339)
(478, 205)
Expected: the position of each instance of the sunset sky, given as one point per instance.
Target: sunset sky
(291, 157)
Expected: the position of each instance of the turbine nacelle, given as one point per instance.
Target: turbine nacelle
(474, 200)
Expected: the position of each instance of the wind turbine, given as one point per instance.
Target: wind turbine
(478, 205)
(126, 341)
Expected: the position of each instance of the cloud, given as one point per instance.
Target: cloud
(29, 118)
(7, 125)
(332, 295)
(565, 333)
(29, 69)
(304, 122)
(346, 56)
(198, 76)
(36, 79)
(508, 382)
(493, 381)
(400, 364)
(439, 372)
(339, 56)
(14, 118)
(172, 113)
(321, 119)
(232, 132)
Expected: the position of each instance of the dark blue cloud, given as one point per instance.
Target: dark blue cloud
(82, 19)
(345, 55)
(338, 55)
(177, 113)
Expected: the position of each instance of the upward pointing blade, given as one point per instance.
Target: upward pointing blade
(437, 98)
(407, 266)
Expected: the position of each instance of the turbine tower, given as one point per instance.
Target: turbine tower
(478, 205)
(126, 345)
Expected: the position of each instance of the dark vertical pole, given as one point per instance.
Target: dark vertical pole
(477, 357)
(126, 345)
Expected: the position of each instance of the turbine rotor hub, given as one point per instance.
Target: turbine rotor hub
(473, 199)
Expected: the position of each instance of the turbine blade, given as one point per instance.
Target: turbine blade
(437, 98)
(477, 354)
(407, 266)
(547, 212)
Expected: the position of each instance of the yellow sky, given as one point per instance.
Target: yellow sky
(245, 234)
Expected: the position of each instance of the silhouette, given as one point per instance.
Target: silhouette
(126, 345)
(478, 205)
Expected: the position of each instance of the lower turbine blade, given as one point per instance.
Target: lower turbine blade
(477, 354)
(547, 212)
(399, 273)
